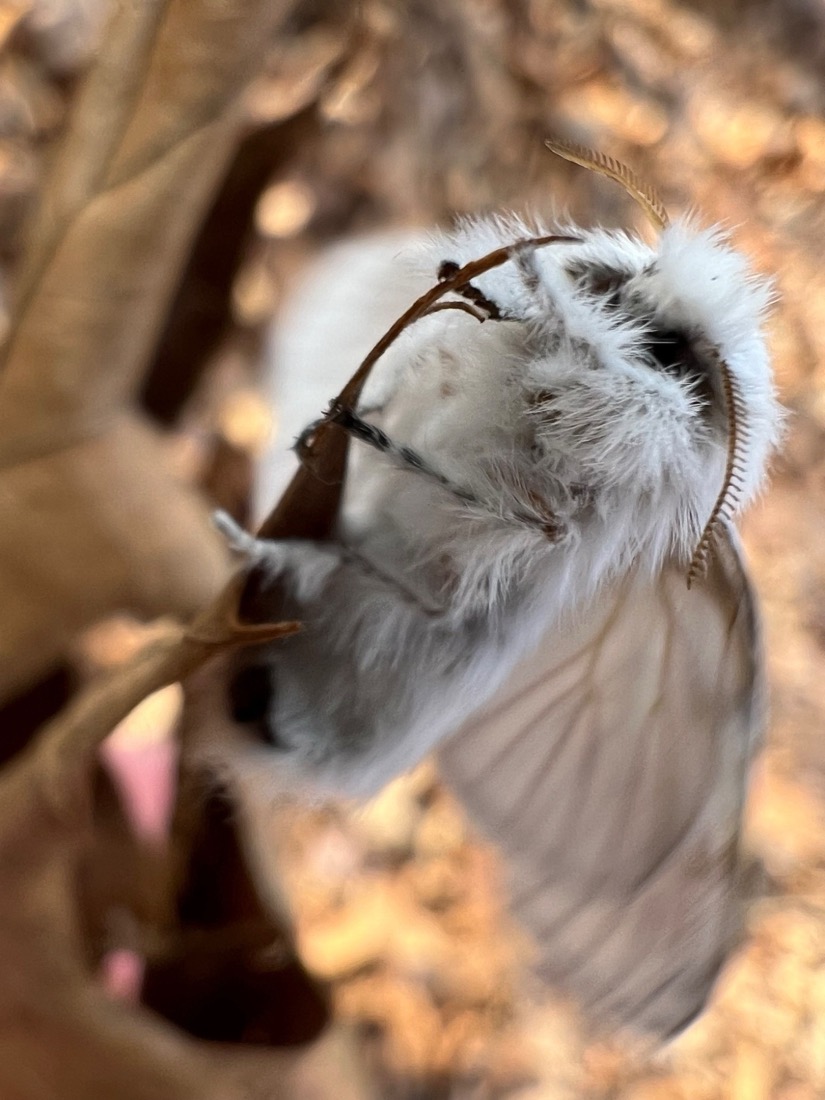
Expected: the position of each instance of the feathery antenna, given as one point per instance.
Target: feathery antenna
(733, 483)
(643, 193)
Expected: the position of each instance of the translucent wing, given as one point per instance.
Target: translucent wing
(611, 771)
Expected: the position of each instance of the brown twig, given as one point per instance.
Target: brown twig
(62, 756)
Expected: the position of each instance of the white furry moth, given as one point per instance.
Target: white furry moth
(525, 500)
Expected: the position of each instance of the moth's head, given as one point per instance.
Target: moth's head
(697, 312)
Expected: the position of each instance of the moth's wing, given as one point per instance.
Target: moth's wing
(611, 771)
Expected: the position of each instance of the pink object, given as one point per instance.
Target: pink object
(122, 974)
(144, 774)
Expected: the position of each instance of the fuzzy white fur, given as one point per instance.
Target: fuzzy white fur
(419, 612)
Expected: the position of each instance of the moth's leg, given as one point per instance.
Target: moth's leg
(547, 309)
(378, 439)
(525, 263)
(538, 516)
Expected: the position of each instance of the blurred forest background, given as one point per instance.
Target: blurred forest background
(151, 220)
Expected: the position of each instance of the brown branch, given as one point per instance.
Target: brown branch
(63, 755)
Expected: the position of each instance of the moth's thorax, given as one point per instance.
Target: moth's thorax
(595, 410)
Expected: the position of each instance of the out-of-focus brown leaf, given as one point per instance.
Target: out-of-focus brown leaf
(90, 519)
(97, 526)
(200, 310)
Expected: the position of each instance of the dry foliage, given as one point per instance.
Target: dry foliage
(296, 122)
(93, 520)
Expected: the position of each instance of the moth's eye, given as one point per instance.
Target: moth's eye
(673, 352)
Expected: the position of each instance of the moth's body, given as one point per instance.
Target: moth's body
(507, 582)
(583, 455)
